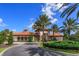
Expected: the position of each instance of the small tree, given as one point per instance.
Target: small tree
(10, 39)
(2, 37)
(1, 41)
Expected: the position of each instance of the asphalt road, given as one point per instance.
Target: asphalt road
(30, 50)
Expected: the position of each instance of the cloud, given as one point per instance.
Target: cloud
(47, 10)
(2, 24)
(14, 30)
(50, 8)
(1, 21)
(54, 20)
(30, 26)
(31, 19)
(30, 23)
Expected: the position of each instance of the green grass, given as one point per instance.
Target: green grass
(1, 49)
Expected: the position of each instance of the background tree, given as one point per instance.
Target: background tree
(69, 25)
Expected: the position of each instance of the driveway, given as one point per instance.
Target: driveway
(30, 50)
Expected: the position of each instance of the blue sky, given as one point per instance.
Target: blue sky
(19, 16)
(16, 17)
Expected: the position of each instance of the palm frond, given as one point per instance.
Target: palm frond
(69, 10)
(73, 8)
(77, 14)
(65, 4)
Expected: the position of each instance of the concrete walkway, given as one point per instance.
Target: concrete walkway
(30, 50)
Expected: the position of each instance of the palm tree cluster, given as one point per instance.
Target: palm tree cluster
(42, 23)
(69, 25)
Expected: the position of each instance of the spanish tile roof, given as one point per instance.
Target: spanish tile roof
(56, 35)
(22, 33)
(31, 33)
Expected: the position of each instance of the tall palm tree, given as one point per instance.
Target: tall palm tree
(42, 22)
(72, 7)
(54, 29)
(70, 25)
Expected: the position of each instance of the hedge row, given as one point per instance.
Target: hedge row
(63, 45)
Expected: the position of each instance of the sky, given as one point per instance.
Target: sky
(19, 16)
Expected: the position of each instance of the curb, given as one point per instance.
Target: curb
(8, 49)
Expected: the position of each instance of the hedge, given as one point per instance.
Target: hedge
(63, 45)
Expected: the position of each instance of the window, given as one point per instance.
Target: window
(18, 38)
(22, 39)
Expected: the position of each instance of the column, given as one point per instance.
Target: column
(33, 38)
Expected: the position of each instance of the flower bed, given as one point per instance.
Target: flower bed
(63, 45)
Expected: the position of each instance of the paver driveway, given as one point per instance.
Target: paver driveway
(30, 50)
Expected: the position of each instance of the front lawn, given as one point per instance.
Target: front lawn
(1, 49)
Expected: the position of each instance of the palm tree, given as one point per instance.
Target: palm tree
(37, 25)
(42, 22)
(54, 29)
(69, 25)
(72, 7)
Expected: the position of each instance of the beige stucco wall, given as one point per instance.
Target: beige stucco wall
(15, 38)
(59, 38)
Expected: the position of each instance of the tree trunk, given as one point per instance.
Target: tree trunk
(68, 34)
(53, 34)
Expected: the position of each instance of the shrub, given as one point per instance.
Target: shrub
(30, 39)
(63, 45)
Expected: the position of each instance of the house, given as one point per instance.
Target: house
(24, 36)
(58, 36)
